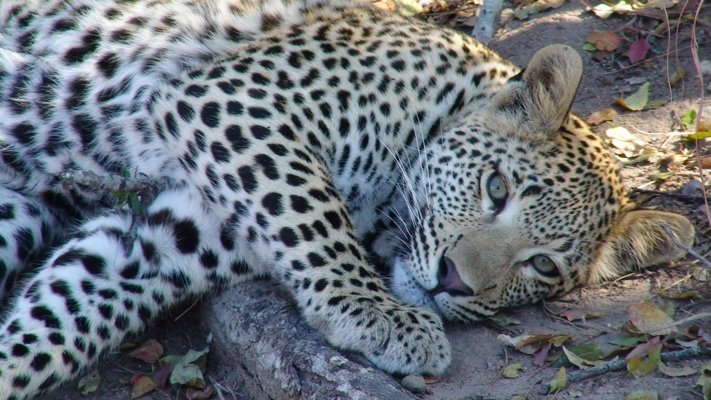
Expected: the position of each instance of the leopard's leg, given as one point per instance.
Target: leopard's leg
(118, 272)
(26, 227)
(298, 217)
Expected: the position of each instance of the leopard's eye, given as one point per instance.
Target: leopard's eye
(497, 191)
(545, 266)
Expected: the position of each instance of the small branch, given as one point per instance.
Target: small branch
(619, 365)
(706, 263)
(111, 183)
(487, 20)
(143, 187)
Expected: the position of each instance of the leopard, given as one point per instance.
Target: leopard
(389, 174)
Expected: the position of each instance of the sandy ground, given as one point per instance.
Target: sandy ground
(478, 355)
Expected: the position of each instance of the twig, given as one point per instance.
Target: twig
(675, 240)
(678, 196)
(619, 365)
(487, 20)
(686, 320)
(143, 187)
(110, 183)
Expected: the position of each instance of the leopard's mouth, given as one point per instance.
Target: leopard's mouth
(409, 290)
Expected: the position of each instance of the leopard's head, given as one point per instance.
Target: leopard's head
(520, 201)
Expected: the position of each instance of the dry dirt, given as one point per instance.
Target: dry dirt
(478, 355)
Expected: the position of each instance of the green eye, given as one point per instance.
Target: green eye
(497, 191)
(545, 266)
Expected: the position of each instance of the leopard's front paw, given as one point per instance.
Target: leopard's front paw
(415, 343)
(396, 338)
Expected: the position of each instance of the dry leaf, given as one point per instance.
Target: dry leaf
(643, 395)
(605, 11)
(431, 379)
(150, 351)
(160, 375)
(638, 51)
(572, 315)
(650, 319)
(142, 385)
(676, 371)
(600, 116)
(640, 366)
(559, 381)
(530, 344)
(540, 357)
(604, 40)
(200, 394)
(686, 295)
(579, 361)
(677, 76)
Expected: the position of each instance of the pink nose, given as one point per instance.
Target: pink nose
(449, 281)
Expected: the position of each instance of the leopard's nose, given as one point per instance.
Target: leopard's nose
(449, 280)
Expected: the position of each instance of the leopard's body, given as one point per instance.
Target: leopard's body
(294, 140)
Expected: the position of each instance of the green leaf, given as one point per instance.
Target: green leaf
(586, 351)
(636, 101)
(641, 366)
(582, 362)
(190, 357)
(559, 382)
(187, 374)
(627, 341)
(512, 370)
(705, 380)
(697, 136)
(185, 371)
(689, 118)
(589, 47)
(89, 383)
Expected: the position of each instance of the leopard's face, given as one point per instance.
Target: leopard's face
(507, 218)
(519, 201)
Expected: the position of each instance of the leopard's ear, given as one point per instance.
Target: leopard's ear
(546, 89)
(638, 240)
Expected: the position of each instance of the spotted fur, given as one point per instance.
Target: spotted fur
(322, 143)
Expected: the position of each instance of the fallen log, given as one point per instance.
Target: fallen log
(260, 338)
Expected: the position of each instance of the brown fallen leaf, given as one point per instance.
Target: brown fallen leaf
(530, 344)
(676, 371)
(600, 116)
(638, 51)
(644, 364)
(604, 40)
(650, 319)
(142, 385)
(430, 379)
(705, 162)
(685, 295)
(149, 352)
(572, 315)
(200, 394)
